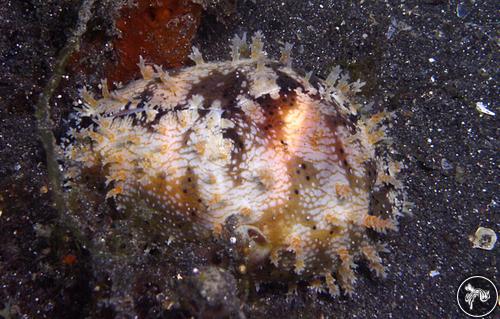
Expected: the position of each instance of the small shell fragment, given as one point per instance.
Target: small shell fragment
(482, 108)
(484, 238)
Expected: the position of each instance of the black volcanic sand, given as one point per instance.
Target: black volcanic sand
(428, 61)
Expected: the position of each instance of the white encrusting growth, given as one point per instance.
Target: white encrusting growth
(264, 82)
(164, 77)
(257, 49)
(290, 163)
(286, 55)
(196, 56)
(238, 46)
(146, 70)
(308, 76)
(104, 89)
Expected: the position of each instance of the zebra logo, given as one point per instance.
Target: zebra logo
(484, 295)
(477, 296)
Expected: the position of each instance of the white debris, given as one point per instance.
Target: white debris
(170, 240)
(434, 273)
(395, 27)
(481, 107)
(392, 29)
